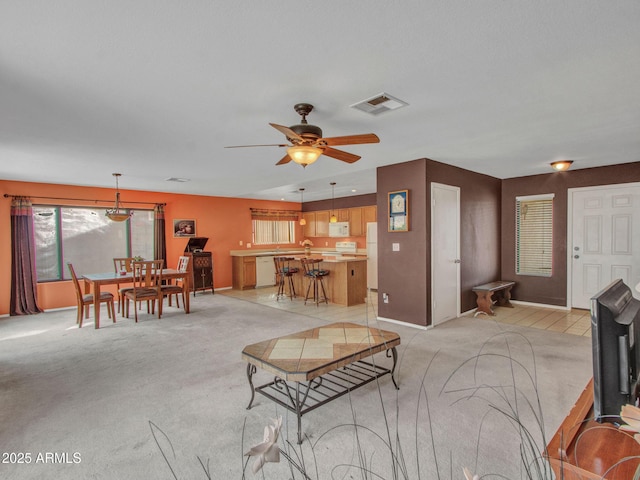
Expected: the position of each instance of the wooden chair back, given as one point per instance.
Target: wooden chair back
(147, 274)
(183, 264)
(123, 264)
(311, 266)
(76, 284)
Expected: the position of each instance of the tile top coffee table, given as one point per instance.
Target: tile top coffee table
(318, 365)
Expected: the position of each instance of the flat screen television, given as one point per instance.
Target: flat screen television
(615, 326)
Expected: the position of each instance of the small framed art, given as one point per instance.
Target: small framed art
(184, 228)
(398, 202)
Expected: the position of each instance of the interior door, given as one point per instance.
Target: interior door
(604, 243)
(445, 252)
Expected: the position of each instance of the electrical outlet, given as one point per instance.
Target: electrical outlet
(385, 298)
(240, 242)
(248, 245)
(395, 247)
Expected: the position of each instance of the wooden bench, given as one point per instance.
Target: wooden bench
(484, 292)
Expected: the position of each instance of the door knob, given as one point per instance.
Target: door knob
(457, 260)
(576, 256)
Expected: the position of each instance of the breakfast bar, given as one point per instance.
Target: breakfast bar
(346, 283)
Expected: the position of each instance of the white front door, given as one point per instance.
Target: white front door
(445, 252)
(604, 244)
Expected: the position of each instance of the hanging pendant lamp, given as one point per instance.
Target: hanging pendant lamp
(302, 219)
(333, 218)
(117, 214)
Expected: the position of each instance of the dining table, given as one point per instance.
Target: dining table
(94, 281)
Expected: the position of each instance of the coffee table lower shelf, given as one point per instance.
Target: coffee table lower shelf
(303, 397)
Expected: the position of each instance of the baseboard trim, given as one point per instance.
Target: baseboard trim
(540, 305)
(405, 324)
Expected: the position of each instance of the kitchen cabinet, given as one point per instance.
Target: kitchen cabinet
(244, 272)
(369, 215)
(318, 222)
(342, 214)
(355, 222)
(322, 223)
(309, 229)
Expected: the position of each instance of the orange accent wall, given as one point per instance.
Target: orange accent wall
(225, 221)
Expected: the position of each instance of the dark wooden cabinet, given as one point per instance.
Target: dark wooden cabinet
(202, 271)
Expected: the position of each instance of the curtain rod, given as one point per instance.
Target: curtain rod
(6, 195)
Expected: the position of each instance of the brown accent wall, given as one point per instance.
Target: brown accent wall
(406, 275)
(551, 290)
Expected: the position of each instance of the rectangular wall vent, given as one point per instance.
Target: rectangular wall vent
(381, 103)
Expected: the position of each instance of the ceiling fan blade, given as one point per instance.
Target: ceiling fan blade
(263, 145)
(290, 134)
(340, 155)
(350, 139)
(285, 159)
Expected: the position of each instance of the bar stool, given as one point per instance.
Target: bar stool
(315, 275)
(284, 274)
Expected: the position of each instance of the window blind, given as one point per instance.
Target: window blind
(534, 235)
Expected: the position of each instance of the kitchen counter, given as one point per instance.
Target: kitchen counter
(346, 283)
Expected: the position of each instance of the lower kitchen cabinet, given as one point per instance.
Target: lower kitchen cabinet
(244, 272)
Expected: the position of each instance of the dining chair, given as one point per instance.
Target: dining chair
(179, 287)
(122, 264)
(85, 300)
(315, 276)
(147, 285)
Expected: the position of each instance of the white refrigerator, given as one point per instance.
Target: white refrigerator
(372, 255)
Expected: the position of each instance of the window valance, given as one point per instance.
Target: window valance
(268, 214)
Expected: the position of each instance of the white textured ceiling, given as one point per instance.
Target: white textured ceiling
(155, 89)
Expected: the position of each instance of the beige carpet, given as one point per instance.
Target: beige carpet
(79, 401)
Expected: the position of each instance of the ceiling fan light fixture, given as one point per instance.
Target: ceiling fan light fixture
(561, 165)
(116, 214)
(303, 154)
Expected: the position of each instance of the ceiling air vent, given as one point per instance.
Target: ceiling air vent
(383, 102)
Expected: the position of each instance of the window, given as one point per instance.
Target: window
(534, 235)
(88, 239)
(273, 232)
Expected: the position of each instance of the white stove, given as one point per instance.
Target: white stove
(342, 247)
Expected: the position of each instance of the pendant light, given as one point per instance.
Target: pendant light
(333, 218)
(302, 220)
(116, 214)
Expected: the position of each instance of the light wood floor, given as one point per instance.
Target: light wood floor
(576, 322)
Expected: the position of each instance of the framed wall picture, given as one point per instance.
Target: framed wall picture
(398, 202)
(184, 228)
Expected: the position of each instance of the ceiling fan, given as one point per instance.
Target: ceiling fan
(307, 143)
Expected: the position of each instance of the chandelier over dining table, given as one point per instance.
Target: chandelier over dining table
(118, 214)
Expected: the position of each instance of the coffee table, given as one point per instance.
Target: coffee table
(316, 366)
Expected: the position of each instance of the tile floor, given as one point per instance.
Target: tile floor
(576, 322)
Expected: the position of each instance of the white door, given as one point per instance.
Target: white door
(604, 244)
(445, 252)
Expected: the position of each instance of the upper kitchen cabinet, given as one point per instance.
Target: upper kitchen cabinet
(322, 223)
(369, 215)
(309, 229)
(358, 217)
(355, 222)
